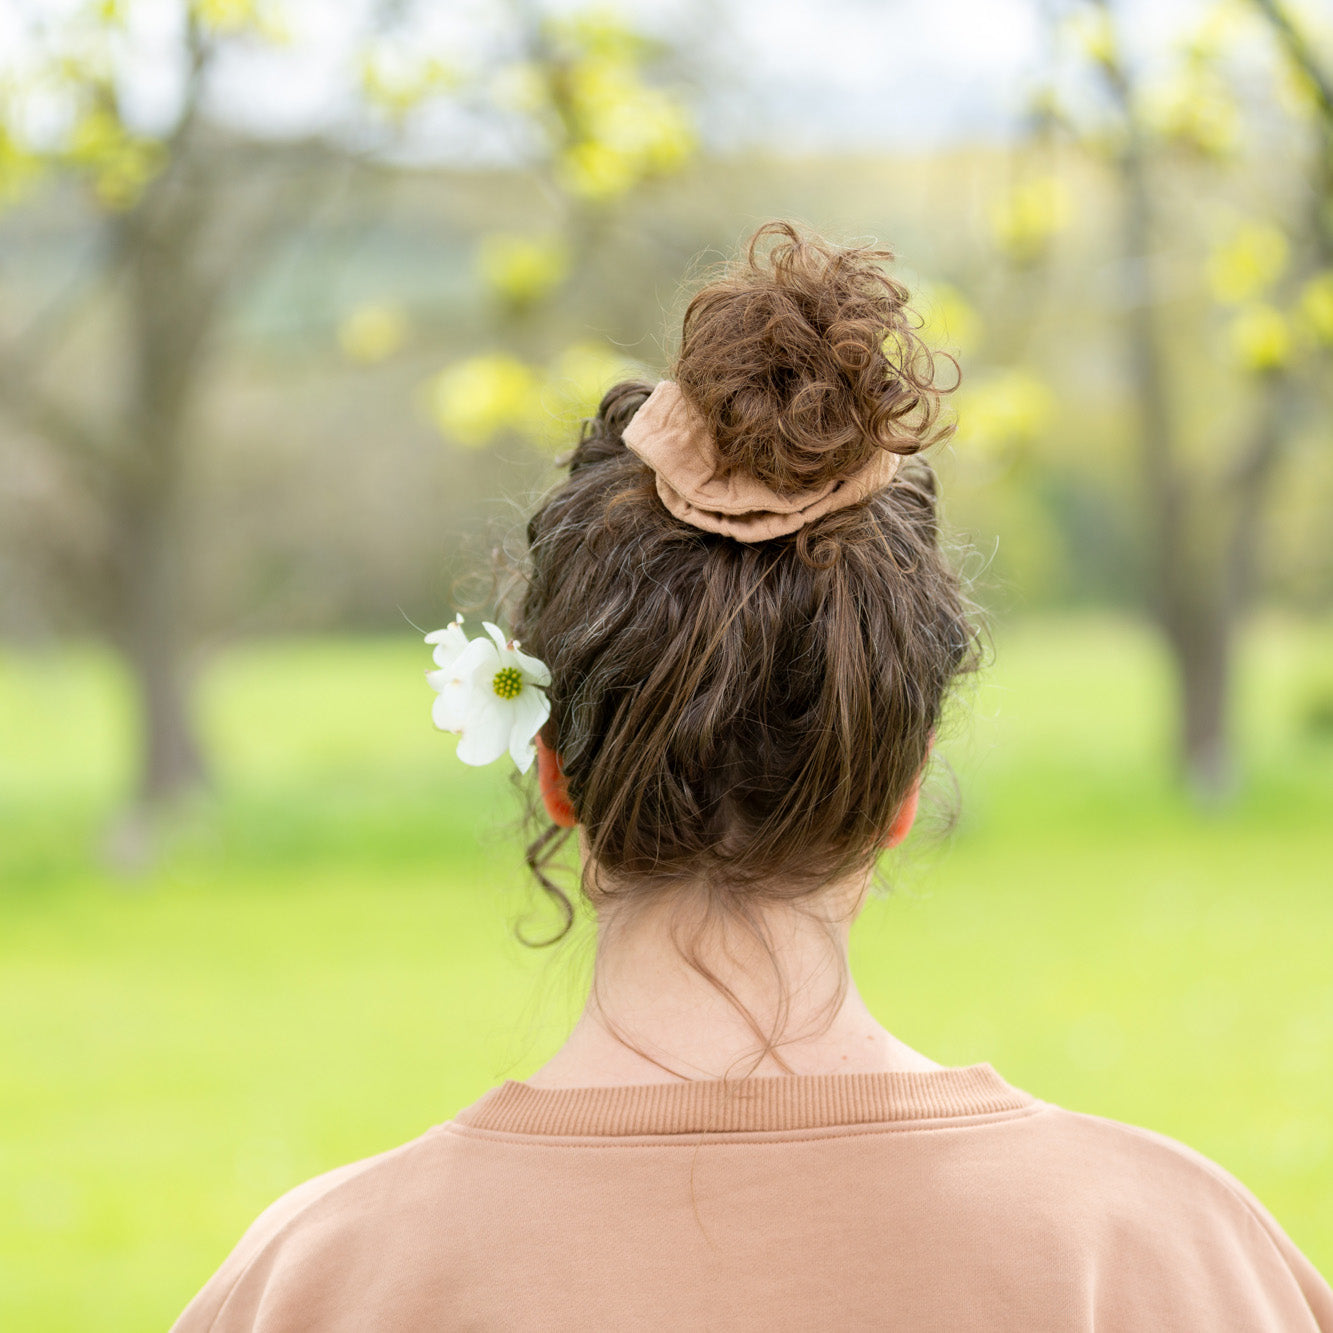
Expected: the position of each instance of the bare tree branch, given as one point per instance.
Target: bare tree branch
(1298, 48)
(1249, 484)
(22, 398)
(1158, 426)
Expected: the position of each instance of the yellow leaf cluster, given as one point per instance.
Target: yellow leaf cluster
(119, 163)
(595, 170)
(474, 400)
(1094, 34)
(1316, 307)
(522, 270)
(1223, 26)
(1028, 217)
(1261, 337)
(1004, 413)
(397, 81)
(230, 18)
(949, 321)
(1297, 94)
(481, 398)
(610, 128)
(629, 132)
(372, 332)
(1247, 263)
(597, 31)
(19, 168)
(1197, 110)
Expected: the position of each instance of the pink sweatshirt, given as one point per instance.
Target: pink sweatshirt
(944, 1200)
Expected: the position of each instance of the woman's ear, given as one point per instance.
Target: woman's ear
(906, 816)
(551, 780)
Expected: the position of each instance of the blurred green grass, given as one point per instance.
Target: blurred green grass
(322, 966)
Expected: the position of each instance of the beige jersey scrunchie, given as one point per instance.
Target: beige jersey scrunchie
(669, 434)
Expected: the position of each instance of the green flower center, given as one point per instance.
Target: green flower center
(508, 682)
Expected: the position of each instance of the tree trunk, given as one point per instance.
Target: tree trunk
(153, 644)
(170, 312)
(1196, 622)
(1200, 641)
(149, 631)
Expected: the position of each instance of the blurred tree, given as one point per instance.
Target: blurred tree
(185, 208)
(1314, 86)
(174, 235)
(1204, 515)
(609, 120)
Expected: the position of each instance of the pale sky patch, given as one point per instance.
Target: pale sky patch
(799, 75)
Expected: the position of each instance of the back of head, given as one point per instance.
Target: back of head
(803, 361)
(749, 716)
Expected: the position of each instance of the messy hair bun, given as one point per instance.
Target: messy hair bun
(803, 359)
(743, 720)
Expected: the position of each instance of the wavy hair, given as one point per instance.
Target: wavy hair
(744, 720)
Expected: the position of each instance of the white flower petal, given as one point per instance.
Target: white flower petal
(449, 711)
(477, 661)
(533, 668)
(486, 727)
(528, 716)
(472, 669)
(449, 642)
(455, 626)
(466, 702)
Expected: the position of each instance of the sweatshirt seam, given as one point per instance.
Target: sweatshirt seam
(683, 1138)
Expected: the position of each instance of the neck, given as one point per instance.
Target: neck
(658, 1008)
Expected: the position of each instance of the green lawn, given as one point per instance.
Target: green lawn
(321, 966)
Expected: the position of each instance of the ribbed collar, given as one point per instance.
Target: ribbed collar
(784, 1102)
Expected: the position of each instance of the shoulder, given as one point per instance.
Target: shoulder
(1127, 1162)
(1162, 1207)
(1073, 1167)
(333, 1224)
(1096, 1164)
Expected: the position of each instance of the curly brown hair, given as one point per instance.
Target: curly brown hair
(746, 719)
(805, 359)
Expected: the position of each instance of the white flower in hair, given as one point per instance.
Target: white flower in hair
(488, 692)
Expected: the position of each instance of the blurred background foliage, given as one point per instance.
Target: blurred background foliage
(297, 309)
